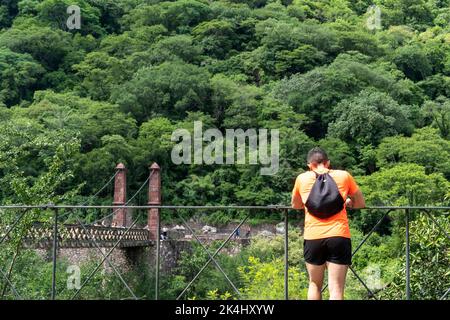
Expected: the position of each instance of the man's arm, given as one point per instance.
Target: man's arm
(296, 200)
(356, 201)
(356, 198)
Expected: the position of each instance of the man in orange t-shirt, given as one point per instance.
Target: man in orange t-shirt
(326, 241)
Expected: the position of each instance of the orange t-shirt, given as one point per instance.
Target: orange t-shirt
(335, 226)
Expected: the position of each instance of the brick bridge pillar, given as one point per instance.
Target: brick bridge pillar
(120, 197)
(154, 198)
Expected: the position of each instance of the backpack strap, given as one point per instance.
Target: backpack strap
(317, 174)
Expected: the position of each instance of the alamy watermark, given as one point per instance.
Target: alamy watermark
(373, 21)
(193, 150)
(74, 277)
(74, 20)
(373, 277)
(374, 18)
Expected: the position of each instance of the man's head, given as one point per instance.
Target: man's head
(317, 156)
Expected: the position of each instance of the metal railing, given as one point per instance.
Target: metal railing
(74, 212)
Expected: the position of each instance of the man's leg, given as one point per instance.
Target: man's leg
(336, 280)
(316, 274)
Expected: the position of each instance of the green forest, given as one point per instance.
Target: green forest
(76, 102)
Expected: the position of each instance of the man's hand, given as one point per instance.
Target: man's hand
(349, 203)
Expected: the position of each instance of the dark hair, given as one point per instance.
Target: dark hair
(317, 155)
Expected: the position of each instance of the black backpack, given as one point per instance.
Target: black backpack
(324, 200)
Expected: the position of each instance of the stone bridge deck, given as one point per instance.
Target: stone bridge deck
(76, 236)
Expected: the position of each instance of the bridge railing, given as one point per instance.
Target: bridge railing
(96, 235)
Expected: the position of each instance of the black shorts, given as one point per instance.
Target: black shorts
(334, 249)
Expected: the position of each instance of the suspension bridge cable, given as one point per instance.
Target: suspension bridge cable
(128, 202)
(102, 188)
(96, 194)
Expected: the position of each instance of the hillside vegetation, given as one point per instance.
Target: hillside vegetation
(74, 103)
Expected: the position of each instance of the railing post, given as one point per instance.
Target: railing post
(158, 239)
(154, 198)
(286, 256)
(55, 251)
(407, 271)
(120, 218)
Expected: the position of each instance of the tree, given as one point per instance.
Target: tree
(175, 48)
(241, 113)
(425, 147)
(369, 117)
(168, 89)
(252, 3)
(299, 60)
(178, 15)
(8, 11)
(123, 45)
(396, 36)
(435, 86)
(100, 72)
(439, 111)
(283, 41)
(96, 166)
(404, 184)
(415, 13)
(155, 145)
(19, 76)
(47, 46)
(37, 167)
(216, 37)
(110, 13)
(90, 120)
(413, 61)
(316, 92)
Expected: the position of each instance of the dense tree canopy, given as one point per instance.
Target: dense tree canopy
(137, 70)
(74, 103)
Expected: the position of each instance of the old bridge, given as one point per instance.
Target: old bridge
(124, 226)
